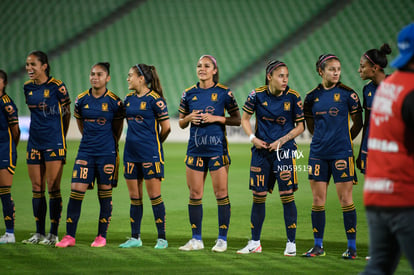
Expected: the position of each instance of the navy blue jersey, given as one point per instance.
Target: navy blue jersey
(97, 115)
(45, 102)
(207, 139)
(275, 115)
(331, 110)
(8, 117)
(143, 115)
(368, 93)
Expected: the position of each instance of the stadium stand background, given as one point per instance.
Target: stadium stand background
(173, 34)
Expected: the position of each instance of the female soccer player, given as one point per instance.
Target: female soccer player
(371, 67)
(278, 108)
(327, 109)
(148, 127)
(9, 138)
(203, 105)
(98, 113)
(49, 104)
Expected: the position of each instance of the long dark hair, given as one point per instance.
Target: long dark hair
(42, 57)
(151, 77)
(378, 57)
(3, 75)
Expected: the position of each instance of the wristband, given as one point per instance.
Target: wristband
(252, 136)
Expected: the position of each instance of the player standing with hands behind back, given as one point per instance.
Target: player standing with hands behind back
(203, 106)
(327, 110)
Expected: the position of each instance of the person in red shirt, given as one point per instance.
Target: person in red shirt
(389, 182)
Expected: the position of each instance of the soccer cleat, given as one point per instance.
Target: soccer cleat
(66, 241)
(251, 247)
(34, 239)
(131, 242)
(161, 244)
(7, 238)
(349, 254)
(50, 240)
(290, 249)
(193, 244)
(315, 252)
(221, 246)
(99, 242)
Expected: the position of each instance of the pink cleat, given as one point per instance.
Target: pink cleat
(66, 241)
(99, 242)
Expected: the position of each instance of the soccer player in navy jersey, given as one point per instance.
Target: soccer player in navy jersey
(328, 109)
(371, 67)
(148, 127)
(279, 119)
(98, 113)
(9, 138)
(49, 104)
(203, 106)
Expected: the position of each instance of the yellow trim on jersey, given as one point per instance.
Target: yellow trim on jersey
(6, 99)
(28, 82)
(61, 126)
(351, 166)
(222, 86)
(190, 88)
(55, 81)
(295, 176)
(261, 89)
(131, 93)
(158, 142)
(10, 152)
(343, 86)
(290, 91)
(112, 95)
(349, 131)
(83, 94)
(154, 94)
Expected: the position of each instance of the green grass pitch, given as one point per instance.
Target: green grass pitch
(21, 258)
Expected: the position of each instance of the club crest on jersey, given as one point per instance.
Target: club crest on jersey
(214, 97)
(286, 106)
(46, 93)
(337, 97)
(105, 107)
(143, 105)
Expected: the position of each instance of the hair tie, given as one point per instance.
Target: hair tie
(211, 57)
(370, 60)
(277, 64)
(326, 58)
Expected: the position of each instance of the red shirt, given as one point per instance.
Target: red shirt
(389, 180)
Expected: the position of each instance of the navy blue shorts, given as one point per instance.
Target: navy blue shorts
(102, 168)
(206, 163)
(36, 156)
(143, 170)
(267, 167)
(8, 157)
(342, 170)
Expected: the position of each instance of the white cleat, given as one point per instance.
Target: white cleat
(192, 244)
(50, 240)
(34, 239)
(251, 247)
(221, 246)
(7, 238)
(290, 249)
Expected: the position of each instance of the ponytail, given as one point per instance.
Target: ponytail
(151, 77)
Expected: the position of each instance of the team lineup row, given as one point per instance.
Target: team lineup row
(280, 117)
